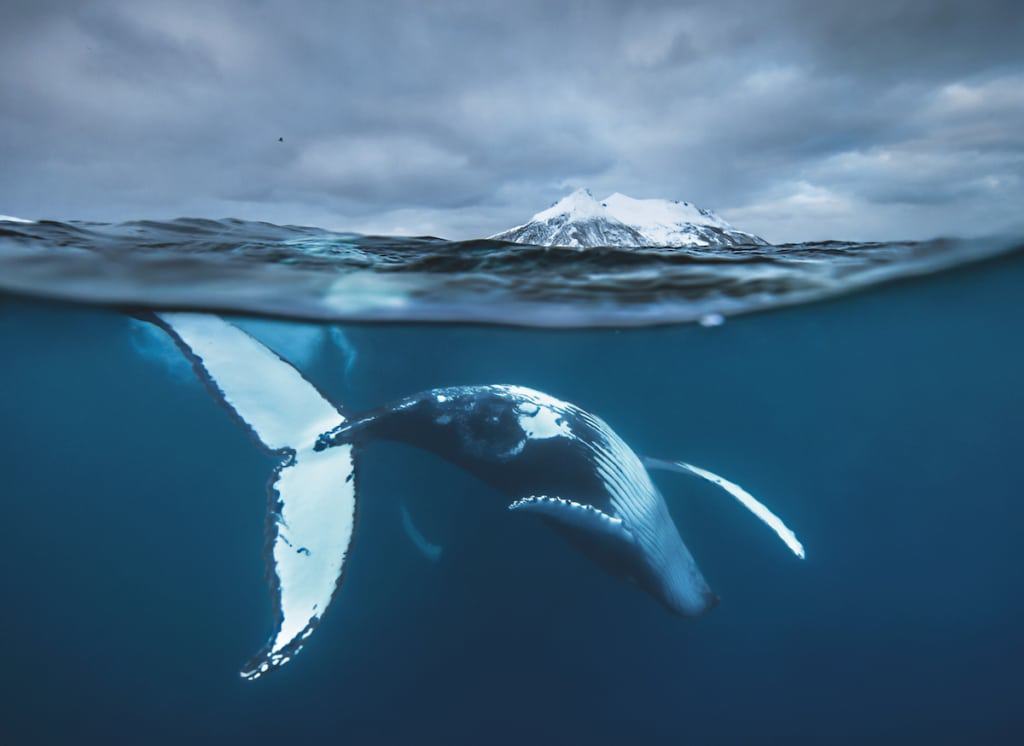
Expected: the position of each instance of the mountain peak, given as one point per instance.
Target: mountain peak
(579, 220)
(580, 204)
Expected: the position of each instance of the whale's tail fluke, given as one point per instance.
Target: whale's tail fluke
(313, 493)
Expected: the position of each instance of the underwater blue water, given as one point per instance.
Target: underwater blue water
(884, 427)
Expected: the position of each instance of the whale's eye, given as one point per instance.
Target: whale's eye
(491, 431)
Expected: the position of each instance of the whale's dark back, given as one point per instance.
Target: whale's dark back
(479, 429)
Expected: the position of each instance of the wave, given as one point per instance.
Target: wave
(236, 266)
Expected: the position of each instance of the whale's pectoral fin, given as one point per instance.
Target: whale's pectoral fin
(575, 515)
(428, 549)
(745, 498)
(313, 494)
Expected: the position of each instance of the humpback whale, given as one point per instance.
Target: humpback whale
(544, 456)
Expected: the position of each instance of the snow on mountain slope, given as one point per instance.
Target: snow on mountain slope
(580, 221)
(576, 221)
(580, 205)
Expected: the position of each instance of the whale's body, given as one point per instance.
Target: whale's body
(547, 456)
(538, 453)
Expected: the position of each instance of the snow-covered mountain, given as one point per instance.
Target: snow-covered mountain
(580, 221)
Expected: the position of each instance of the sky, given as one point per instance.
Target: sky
(793, 119)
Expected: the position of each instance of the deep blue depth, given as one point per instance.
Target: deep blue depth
(884, 428)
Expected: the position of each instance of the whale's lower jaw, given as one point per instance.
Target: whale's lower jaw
(654, 554)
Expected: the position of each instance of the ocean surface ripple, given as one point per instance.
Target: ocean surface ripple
(236, 266)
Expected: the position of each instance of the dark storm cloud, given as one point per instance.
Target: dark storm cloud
(795, 119)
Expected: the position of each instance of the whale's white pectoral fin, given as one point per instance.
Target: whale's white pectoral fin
(575, 515)
(745, 498)
(312, 498)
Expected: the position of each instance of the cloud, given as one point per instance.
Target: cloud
(462, 118)
(378, 169)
